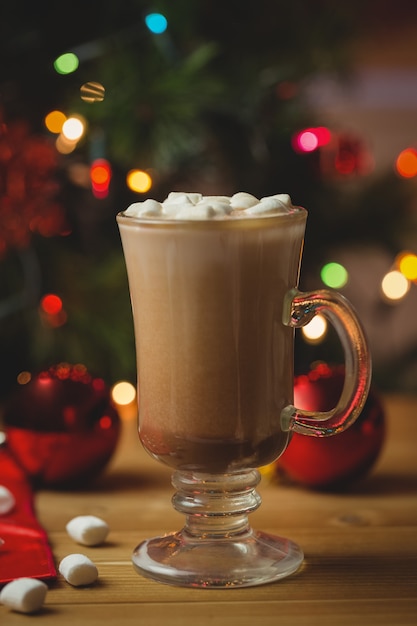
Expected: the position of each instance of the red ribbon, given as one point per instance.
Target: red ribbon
(26, 550)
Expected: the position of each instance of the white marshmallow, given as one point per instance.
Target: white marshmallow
(243, 200)
(88, 530)
(267, 206)
(180, 197)
(216, 199)
(147, 208)
(25, 595)
(7, 500)
(284, 198)
(203, 212)
(220, 207)
(177, 201)
(78, 570)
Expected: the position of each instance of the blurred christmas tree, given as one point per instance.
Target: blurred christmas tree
(208, 100)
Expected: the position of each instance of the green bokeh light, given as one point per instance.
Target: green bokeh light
(334, 275)
(66, 63)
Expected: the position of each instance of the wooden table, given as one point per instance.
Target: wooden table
(360, 547)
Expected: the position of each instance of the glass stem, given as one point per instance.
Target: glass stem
(216, 505)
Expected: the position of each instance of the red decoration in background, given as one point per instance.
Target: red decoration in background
(332, 462)
(62, 427)
(28, 189)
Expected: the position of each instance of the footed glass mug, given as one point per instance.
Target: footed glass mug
(215, 302)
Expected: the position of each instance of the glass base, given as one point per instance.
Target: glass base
(253, 559)
(217, 548)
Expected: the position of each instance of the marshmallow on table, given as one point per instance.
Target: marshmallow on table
(25, 595)
(7, 500)
(78, 570)
(88, 530)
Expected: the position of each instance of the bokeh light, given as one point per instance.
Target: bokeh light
(65, 145)
(105, 422)
(79, 174)
(315, 330)
(73, 128)
(407, 264)
(310, 139)
(92, 92)
(123, 392)
(406, 163)
(23, 378)
(139, 181)
(54, 121)
(346, 162)
(323, 135)
(394, 285)
(156, 23)
(51, 304)
(100, 175)
(66, 63)
(307, 141)
(334, 275)
(51, 311)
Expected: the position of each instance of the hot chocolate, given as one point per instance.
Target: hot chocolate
(207, 279)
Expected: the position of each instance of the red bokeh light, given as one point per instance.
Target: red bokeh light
(51, 304)
(406, 163)
(100, 175)
(310, 139)
(105, 422)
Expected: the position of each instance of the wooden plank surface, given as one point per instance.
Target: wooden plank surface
(360, 546)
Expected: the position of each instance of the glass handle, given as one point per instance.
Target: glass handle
(299, 309)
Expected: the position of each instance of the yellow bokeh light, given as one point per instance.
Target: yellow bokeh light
(54, 121)
(123, 392)
(139, 181)
(315, 330)
(407, 264)
(395, 285)
(73, 128)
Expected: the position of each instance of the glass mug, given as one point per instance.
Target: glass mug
(215, 304)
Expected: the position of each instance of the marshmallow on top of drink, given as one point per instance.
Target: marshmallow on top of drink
(194, 206)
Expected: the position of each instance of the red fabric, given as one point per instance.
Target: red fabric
(26, 550)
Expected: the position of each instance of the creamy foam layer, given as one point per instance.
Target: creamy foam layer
(194, 206)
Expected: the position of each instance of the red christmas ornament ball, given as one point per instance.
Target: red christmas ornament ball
(332, 462)
(62, 426)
